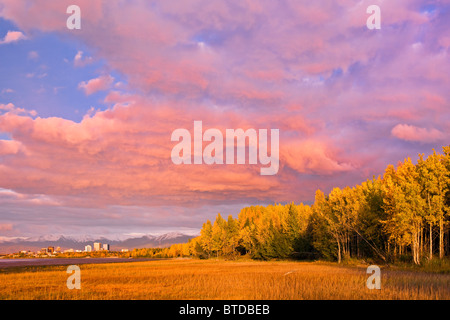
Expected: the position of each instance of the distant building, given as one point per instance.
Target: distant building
(97, 246)
(58, 249)
(43, 250)
(124, 250)
(88, 248)
(68, 250)
(106, 246)
(51, 250)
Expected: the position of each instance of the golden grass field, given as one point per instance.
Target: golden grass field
(214, 279)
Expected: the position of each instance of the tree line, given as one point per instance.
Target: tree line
(401, 216)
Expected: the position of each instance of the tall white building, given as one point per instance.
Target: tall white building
(88, 248)
(106, 246)
(97, 246)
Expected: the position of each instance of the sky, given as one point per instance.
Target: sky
(86, 116)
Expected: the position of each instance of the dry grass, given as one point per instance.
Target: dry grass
(199, 279)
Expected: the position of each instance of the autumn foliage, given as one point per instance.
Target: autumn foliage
(401, 216)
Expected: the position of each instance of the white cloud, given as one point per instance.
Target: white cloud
(80, 61)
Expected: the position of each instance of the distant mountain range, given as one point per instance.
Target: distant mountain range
(146, 241)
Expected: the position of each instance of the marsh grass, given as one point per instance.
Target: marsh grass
(214, 279)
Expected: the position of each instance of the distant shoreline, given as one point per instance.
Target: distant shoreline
(31, 262)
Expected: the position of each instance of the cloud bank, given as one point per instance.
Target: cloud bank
(347, 100)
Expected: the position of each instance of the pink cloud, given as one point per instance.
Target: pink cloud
(6, 227)
(312, 156)
(413, 133)
(122, 155)
(8, 147)
(97, 84)
(11, 108)
(78, 158)
(311, 70)
(13, 36)
(48, 15)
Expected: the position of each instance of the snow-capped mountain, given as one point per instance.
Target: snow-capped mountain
(8, 245)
